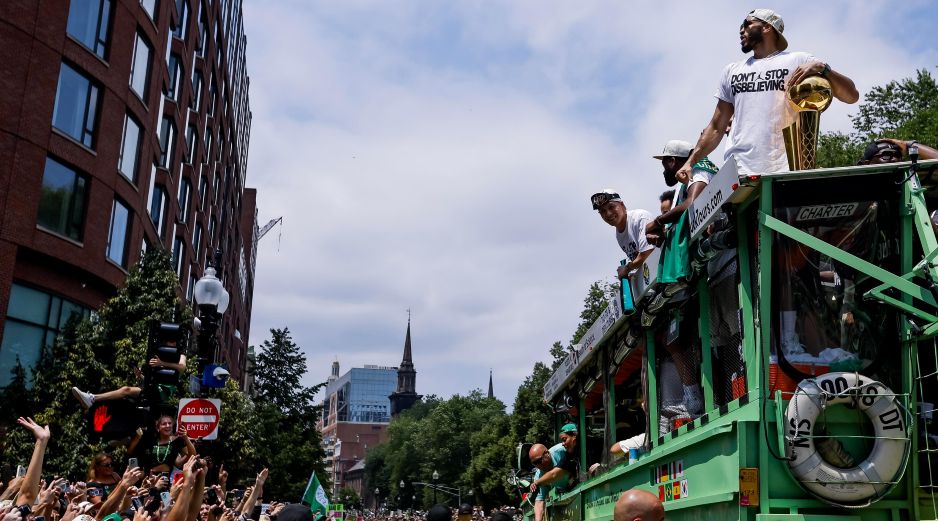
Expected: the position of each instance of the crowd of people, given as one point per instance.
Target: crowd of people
(157, 491)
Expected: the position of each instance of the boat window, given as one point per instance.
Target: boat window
(821, 320)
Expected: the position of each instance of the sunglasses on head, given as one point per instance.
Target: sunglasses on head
(602, 198)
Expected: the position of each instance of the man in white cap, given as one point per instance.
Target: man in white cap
(752, 95)
(630, 228)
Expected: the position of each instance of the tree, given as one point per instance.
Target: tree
(349, 498)
(597, 298)
(284, 418)
(905, 109)
(98, 352)
(531, 417)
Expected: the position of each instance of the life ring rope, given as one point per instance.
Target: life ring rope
(868, 480)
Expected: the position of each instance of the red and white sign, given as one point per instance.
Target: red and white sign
(200, 417)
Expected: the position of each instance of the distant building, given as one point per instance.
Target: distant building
(356, 413)
(491, 390)
(405, 395)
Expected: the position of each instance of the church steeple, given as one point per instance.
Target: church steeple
(406, 393)
(491, 393)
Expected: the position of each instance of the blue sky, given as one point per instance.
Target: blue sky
(439, 156)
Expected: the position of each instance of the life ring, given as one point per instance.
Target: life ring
(871, 478)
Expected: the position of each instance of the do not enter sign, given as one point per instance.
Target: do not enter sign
(200, 417)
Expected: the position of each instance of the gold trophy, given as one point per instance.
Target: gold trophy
(808, 98)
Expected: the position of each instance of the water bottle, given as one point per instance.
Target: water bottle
(625, 294)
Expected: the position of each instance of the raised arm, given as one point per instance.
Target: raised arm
(255, 494)
(710, 137)
(29, 489)
(195, 502)
(180, 510)
(841, 86)
(114, 500)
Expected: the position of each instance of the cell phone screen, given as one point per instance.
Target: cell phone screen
(167, 499)
(211, 496)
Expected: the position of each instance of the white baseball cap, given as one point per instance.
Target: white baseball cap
(775, 20)
(675, 148)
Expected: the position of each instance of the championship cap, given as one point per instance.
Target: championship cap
(775, 20)
(568, 429)
(675, 148)
(600, 198)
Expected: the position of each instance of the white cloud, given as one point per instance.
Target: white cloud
(440, 157)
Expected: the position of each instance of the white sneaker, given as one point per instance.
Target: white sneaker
(86, 399)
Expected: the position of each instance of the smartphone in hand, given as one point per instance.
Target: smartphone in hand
(167, 499)
(132, 463)
(20, 471)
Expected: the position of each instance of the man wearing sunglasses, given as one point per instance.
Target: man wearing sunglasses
(548, 473)
(630, 228)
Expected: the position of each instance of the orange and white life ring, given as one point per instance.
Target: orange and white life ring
(870, 479)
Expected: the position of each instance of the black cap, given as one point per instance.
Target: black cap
(876, 147)
(500, 516)
(464, 509)
(437, 513)
(295, 512)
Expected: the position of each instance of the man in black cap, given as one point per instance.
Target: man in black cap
(752, 94)
(439, 513)
(295, 512)
(887, 150)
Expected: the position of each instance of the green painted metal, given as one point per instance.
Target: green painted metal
(749, 432)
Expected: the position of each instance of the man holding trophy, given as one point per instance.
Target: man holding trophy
(754, 96)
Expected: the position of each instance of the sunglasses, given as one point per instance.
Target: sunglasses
(602, 198)
(537, 461)
(108, 464)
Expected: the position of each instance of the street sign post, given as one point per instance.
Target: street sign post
(200, 417)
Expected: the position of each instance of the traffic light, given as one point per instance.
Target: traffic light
(168, 343)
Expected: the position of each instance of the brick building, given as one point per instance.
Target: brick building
(124, 125)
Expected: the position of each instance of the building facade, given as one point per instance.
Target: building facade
(356, 413)
(124, 125)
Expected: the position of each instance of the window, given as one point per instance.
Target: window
(197, 91)
(181, 29)
(197, 242)
(191, 141)
(185, 189)
(117, 237)
(167, 142)
(208, 146)
(62, 202)
(158, 208)
(130, 149)
(88, 23)
(140, 68)
(178, 253)
(203, 182)
(203, 36)
(191, 287)
(212, 91)
(175, 72)
(211, 230)
(34, 319)
(150, 7)
(76, 105)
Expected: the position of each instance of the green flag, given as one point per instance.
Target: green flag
(315, 497)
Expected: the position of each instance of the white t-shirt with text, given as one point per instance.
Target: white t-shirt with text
(632, 240)
(756, 88)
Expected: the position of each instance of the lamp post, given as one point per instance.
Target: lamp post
(400, 494)
(212, 298)
(377, 491)
(436, 476)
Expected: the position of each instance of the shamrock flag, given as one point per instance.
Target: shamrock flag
(315, 497)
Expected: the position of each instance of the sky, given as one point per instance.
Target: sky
(439, 157)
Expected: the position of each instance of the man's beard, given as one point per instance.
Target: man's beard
(670, 178)
(753, 37)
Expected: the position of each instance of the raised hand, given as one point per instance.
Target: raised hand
(131, 477)
(40, 433)
(261, 477)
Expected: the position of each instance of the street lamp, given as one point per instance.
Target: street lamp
(212, 298)
(436, 476)
(377, 491)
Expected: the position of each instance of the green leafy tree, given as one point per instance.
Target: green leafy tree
(96, 353)
(531, 419)
(349, 497)
(905, 109)
(285, 418)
